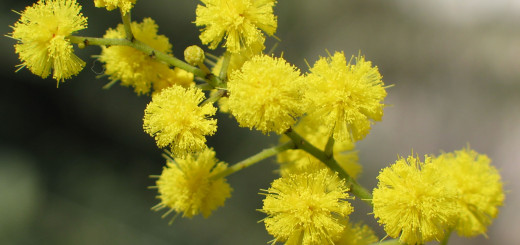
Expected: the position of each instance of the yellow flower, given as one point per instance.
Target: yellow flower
(124, 5)
(42, 32)
(305, 208)
(238, 21)
(175, 118)
(296, 161)
(357, 234)
(185, 185)
(345, 97)
(479, 188)
(266, 94)
(414, 202)
(236, 61)
(131, 66)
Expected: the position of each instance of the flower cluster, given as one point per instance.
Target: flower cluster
(320, 115)
(420, 201)
(136, 69)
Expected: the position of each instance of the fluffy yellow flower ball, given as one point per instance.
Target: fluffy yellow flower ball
(42, 32)
(186, 185)
(345, 97)
(305, 208)
(266, 94)
(175, 119)
(414, 202)
(479, 188)
(237, 21)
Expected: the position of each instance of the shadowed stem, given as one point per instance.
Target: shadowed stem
(214, 97)
(355, 188)
(211, 79)
(127, 20)
(446, 238)
(254, 159)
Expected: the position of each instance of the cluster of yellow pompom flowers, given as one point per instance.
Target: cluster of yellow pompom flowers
(319, 114)
(422, 201)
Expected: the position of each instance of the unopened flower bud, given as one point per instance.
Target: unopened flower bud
(194, 55)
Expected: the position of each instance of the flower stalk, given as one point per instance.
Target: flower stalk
(355, 188)
(269, 152)
(211, 79)
(127, 20)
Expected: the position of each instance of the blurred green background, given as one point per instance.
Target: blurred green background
(75, 162)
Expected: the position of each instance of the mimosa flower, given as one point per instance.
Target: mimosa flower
(237, 21)
(266, 94)
(175, 119)
(345, 96)
(186, 185)
(414, 202)
(42, 32)
(306, 208)
(479, 188)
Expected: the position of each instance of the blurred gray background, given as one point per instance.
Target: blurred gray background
(75, 162)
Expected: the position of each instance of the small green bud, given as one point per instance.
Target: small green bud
(194, 55)
(81, 45)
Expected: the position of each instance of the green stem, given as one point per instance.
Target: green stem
(446, 238)
(127, 20)
(225, 65)
(213, 80)
(355, 188)
(216, 96)
(254, 159)
(329, 147)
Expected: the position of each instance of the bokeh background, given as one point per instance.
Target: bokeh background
(75, 162)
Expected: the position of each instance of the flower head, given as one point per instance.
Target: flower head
(42, 32)
(266, 94)
(124, 5)
(414, 202)
(345, 97)
(306, 208)
(131, 66)
(175, 118)
(186, 185)
(479, 188)
(295, 161)
(238, 21)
